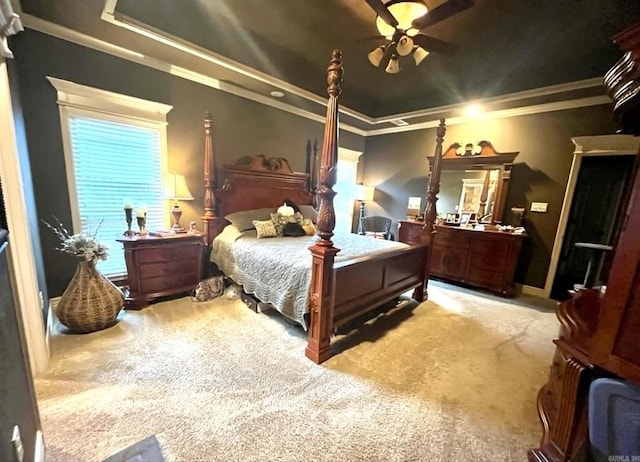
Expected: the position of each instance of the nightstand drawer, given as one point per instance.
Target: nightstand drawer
(183, 265)
(165, 253)
(161, 284)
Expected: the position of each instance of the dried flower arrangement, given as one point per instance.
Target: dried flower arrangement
(83, 246)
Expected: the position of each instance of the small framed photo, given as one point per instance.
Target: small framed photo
(465, 219)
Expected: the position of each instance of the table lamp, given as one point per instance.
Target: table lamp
(176, 190)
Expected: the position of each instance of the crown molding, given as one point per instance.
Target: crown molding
(81, 39)
(110, 16)
(500, 114)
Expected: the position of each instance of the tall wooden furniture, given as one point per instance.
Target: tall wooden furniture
(480, 258)
(160, 266)
(599, 327)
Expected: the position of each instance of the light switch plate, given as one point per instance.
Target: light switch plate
(539, 206)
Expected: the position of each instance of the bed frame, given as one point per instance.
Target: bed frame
(339, 292)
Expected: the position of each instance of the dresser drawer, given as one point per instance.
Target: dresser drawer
(169, 283)
(166, 253)
(411, 233)
(182, 265)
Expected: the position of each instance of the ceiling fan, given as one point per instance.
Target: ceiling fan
(401, 22)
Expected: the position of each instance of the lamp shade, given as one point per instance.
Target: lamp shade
(365, 193)
(394, 65)
(376, 56)
(175, 188)
(419, 54)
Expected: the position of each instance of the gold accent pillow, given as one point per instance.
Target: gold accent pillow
(265, 228)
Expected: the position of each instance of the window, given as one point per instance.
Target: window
(115, 153)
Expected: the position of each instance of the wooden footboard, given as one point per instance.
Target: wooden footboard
(373, 280)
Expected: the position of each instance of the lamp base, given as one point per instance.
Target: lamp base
(176, 213)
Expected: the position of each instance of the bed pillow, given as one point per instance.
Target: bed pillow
(244, 220)
(309, 227)
(293, 230)
(279, 221)
(265, 228)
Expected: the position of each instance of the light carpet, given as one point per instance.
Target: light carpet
(454, 378)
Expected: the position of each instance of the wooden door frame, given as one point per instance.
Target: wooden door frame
(22, 265)
(585, 146)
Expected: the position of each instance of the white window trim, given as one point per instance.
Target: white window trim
(80, 100)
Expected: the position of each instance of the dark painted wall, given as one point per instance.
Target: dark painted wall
(17, 396)
(241, 127)
(540, 172)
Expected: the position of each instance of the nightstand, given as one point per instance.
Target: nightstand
(159, 266)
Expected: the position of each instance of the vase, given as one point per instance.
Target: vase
(91, 302)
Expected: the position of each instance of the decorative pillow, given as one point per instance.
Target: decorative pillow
(309, 228)
(265, 228)
(279, 221)
(293, 230)
(309, 212)
(244, 220)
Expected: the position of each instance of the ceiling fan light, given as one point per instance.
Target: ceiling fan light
(384, 28)
(405, 46)
(376, 56)
(405, 11)
(394, 66)
(419, 54)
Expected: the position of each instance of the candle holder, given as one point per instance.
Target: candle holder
(128, 214)
(142, 220)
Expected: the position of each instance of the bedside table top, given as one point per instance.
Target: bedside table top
(151, 240)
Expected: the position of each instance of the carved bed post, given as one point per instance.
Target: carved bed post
(314, 174)
(323, 251)
(430, 212)
(210, 218)
(307, 168)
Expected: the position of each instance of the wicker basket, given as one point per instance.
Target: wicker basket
(91, 302)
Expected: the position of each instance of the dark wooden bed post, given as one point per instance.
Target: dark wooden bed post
(212, 222)
(430, 211)
(314, 174)
(322, 275)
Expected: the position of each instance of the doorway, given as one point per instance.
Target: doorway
(594, 218)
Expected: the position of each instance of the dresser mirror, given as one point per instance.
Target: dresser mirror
(473, 183)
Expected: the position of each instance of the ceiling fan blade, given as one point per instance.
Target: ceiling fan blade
(450, 8)
(435, 45)
(383, 12)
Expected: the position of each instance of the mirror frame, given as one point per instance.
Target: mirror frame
(487, 159)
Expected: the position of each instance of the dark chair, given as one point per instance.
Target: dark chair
(379, 227)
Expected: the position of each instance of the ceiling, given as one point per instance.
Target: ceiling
(505, 46)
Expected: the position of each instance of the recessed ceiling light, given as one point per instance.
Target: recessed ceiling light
(277, 94)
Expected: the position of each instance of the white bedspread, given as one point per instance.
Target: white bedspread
(278, 270)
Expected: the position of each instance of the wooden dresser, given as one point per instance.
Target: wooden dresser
(599, 327)
(483, 259)
(160, 266)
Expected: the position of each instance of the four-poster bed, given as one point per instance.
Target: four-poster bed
(339, 290)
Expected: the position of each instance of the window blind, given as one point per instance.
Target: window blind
(115, 163)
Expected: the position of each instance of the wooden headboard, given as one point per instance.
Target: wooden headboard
(262, 182)
(245, 187)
